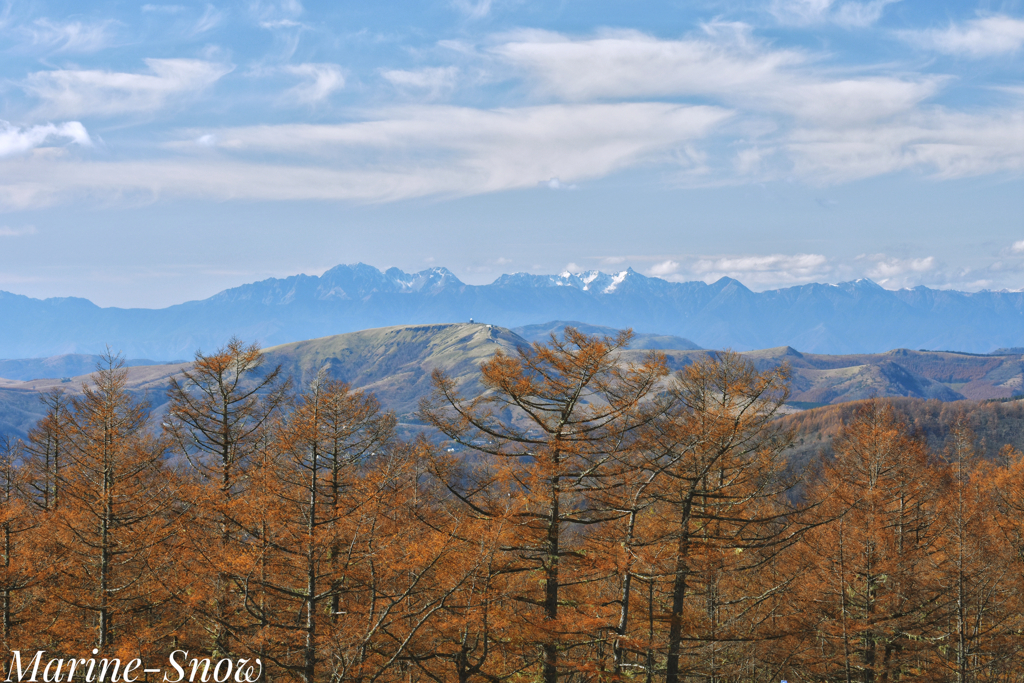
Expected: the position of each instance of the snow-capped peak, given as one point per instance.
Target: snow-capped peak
(616, 281)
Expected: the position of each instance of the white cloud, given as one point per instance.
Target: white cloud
(68, 92)
(985, 36)
(72, 36)
(556, 184)
(664, 268)
(498, 148)
(474, 9)
(321, 81)
(410, 152)
(6, 231)
(949, 144)
(860, 14)
(1018, 247)
(16, 140)
(434, 81)
(885, 269)
(211, 19)
(273, 14)
(770, 270)
(849, 14)
(727, 65)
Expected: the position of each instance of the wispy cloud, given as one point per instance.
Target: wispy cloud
(894, 272)
(886, 268)
(73, 92)
(763, 270)
(70, 37)
(664, 269)
(409, 152)
(474, 9)
(275, 14)
(7, 231)
(796, 117)
(429, 81)
(849, 14)
(210, 19)
(724, 64)
(16, 140)
(556, 184)
(501, 148)
(321, 80)
(945, 143)
(986, 36)
(164, 9)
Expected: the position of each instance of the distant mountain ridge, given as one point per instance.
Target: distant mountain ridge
(849, 317)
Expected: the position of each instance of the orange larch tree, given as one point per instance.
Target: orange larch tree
(217, 419)
(541, 439)
(721, 513)
(873, 585)
(115, 521)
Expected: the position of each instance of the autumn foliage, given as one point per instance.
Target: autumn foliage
(584, 519)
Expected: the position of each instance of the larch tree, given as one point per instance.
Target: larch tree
(115, 519)
(22, 565)
(721, 507)
(218, 408)
(298, 515)
(46, 451)
(545, 436)
(873, 581)
(217, 418)
(973, 568)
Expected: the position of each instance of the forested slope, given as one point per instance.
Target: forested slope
(994, 424)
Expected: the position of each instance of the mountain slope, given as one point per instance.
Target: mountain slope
(56, 367)
(543, 332)
(396, 364)
(994, 423)
(852, 317)
(20, 407)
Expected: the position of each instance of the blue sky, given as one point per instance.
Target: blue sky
(154, 153)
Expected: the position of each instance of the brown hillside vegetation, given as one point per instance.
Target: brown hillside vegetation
(603, 519)
(994, 423)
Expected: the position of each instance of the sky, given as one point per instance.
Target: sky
(156, 153)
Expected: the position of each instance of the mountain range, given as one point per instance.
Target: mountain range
(395, 363)
(850, 317)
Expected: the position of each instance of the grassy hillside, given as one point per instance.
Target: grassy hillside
(20, 408)
(395, 363)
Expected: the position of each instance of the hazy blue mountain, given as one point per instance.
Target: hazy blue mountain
(851, 317)
(55, 367)
(640, 341)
